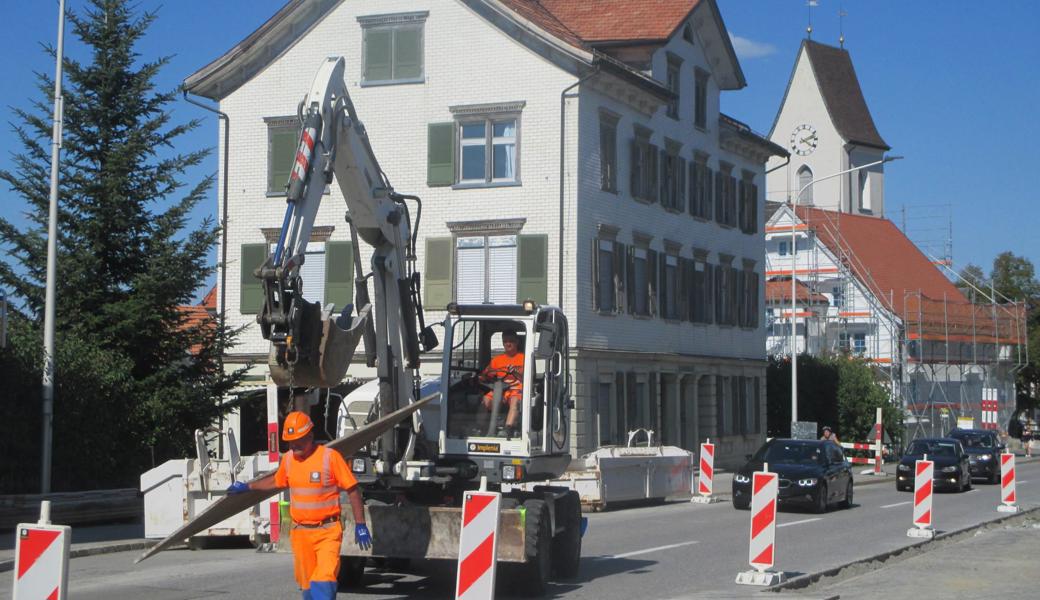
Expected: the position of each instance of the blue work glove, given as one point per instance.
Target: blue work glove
(239, 487)
(362, 537)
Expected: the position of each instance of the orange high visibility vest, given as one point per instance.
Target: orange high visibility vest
(503, 363)
(314, 485)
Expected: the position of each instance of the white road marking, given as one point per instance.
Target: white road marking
(649, 550)
(799, 522)
(896, 504)
(1023, 481)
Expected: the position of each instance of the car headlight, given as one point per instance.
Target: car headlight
(985, 456)
(903, 467)
(950, 469)
(741, 478)
(808, 482)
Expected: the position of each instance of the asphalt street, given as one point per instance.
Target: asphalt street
(663, 551)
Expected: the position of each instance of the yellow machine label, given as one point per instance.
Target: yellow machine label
(485, 447)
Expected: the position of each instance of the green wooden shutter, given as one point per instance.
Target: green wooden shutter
(630, 276)
(407, 53)
(652, 172)
(651, 283)
(339, 274)
(280, 152)
(440, 154)
(708, 176)
(532, 280)
(635, 169)
(439, 259)
(620, 255)
(378, 42)
(251, 291)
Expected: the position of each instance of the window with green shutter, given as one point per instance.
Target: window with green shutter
(439, 256)
(251, 291)
(393, 48)
(440, 154)
(282, 137)
(339, 274)
(532, 274)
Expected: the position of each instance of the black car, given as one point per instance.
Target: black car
(951, 468)
(983, 450)
(811, 472)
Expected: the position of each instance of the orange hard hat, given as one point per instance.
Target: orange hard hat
(297, 425)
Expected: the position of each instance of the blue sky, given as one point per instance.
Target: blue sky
(952, 86)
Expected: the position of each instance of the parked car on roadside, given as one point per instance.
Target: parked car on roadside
(811, 472)
(983, 449)
(951, 468)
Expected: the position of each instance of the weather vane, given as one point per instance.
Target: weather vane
(811, 4)
(841, 24)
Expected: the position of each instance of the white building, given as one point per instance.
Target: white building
(862, 287)
(503, 115)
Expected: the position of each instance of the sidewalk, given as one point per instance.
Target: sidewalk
(86, 541)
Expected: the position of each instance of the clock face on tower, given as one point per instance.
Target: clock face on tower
(804, 140)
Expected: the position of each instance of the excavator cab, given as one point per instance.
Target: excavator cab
(505, 388)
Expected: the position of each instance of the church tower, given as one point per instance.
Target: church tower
(825, 123)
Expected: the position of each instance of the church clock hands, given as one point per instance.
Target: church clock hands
(804, 140)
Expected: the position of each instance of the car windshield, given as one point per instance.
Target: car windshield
(975, 440)
(935, 448)
(791, 453)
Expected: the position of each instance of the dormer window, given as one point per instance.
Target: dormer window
(687, 33)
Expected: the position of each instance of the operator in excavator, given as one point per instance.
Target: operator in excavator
(314, 475)
(508, 368)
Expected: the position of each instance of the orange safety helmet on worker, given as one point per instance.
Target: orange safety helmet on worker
(315, 475)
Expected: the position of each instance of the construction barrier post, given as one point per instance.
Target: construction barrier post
(41, 559)
(478, 546)
(878, 451)
(706, 479)
(1008, 496)
(761, 554)
(924, 470)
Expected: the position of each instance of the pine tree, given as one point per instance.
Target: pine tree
(126, 255)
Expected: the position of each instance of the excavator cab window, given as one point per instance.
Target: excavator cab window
(485, 379)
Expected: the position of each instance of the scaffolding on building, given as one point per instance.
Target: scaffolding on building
(938, 357)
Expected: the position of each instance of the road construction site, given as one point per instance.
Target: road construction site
(669, 550)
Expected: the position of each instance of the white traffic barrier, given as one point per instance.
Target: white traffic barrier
(990, 408)
(924, 471)
(478, 546)
(706, 479)
(1008, 495)
(41, 559)
(762, 546)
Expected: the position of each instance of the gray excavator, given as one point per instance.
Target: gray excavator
(423, 443)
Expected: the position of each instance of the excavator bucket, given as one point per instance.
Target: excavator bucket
(324, 351)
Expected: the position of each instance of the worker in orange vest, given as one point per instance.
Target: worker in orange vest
(508, 367)
(314, 475)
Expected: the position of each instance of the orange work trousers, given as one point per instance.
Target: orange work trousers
(316, 553)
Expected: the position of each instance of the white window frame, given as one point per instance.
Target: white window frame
(489, 241)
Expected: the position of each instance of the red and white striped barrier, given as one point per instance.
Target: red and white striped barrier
(762, 546)
(1008, 495)
(478, 546)
(990, 407)
(706, 479)
(874, 445)
(41, 559)
(924, 471)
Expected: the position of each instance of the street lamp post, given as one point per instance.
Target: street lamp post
(794, 263)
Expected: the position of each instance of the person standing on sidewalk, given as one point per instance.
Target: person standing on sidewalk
(314, 476)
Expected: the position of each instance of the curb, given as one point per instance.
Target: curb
(805, 581)
(94, 550)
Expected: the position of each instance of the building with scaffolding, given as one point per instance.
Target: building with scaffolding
(862, 287)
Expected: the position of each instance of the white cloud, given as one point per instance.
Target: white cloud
(749, 49)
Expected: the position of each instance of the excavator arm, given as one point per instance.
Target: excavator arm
(312, 345)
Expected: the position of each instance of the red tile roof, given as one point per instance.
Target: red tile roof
(883, 257)
(210, 300)
(582, 22)
(778, 291)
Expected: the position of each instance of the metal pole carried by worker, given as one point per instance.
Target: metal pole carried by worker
(314, 476)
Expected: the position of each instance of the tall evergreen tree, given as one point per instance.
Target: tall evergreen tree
(127, 257)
